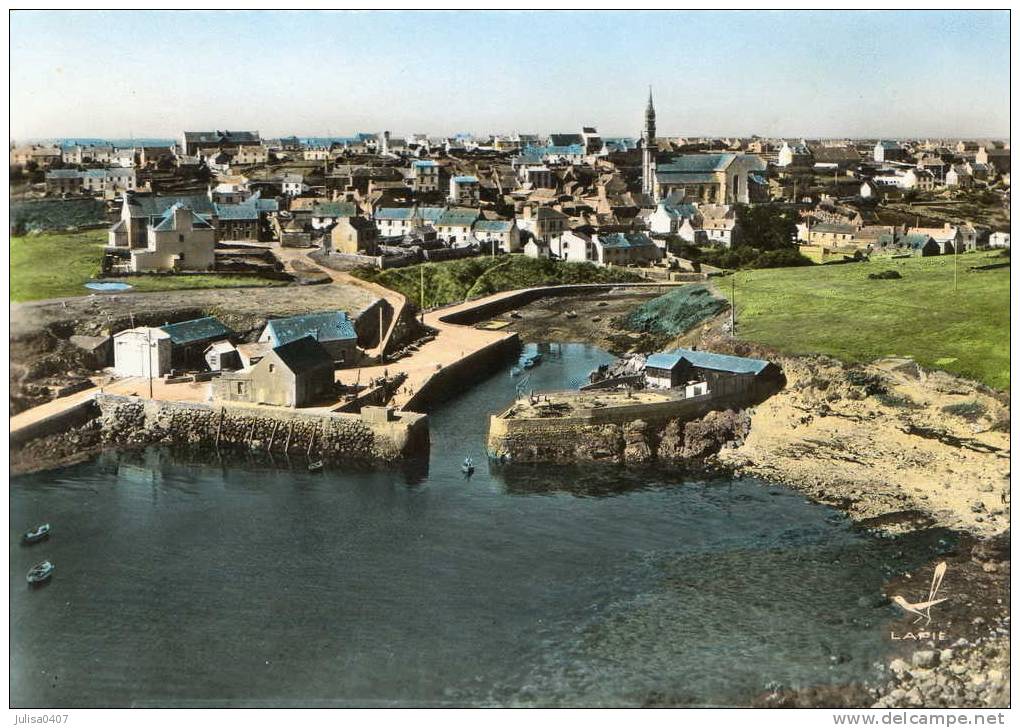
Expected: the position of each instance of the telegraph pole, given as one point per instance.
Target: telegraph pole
(148, 352)
(733, 305)
(421, 289)
(956, 266)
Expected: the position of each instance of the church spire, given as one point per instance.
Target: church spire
(650, 118)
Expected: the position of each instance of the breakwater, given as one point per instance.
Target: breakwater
(377, 433)
(613, 428)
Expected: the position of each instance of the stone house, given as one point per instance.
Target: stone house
(353, 235)
(109, 182)
(889, 151)
(503, 234)
(424, 176)
(544, 223)
(668, 217)
(181, 241)
(196, 142)
(64, 182)
(296, 374)
(624, 249)
(722, 374)
(333, 330)
(455, 226)
(325, 214)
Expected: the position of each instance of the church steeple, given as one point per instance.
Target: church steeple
(648, 149)
(649, 134)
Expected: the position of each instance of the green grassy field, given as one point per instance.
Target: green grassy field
(456, 280)
(837, 310)
(58, 265)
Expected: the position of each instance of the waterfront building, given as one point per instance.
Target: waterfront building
(296, 374)
(142, 352)
(189, 340)
(333, 330)
(724, 375)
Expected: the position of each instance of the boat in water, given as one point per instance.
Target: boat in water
(37, 534)
(571, 314)
(315, 467)
(532, 361)
(468, 466)
(40, 572)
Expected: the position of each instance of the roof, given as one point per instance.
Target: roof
(237, 212)
(168, 222)
(343, 208)
(431, 214)
(564, 140)
(64, 174)
(325, 326)
(202, 329)
(394, 213)
(303, 354)
(888, 145)
(678, 210)
(624, 240)
(686, 163)
(465, 179)
(423, 163)
(156, 205)
(454, 216)
(494, 226)
(221, 137)
(707, 360)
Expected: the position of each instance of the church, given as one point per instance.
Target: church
(716, 178)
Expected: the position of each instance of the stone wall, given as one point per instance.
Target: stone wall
(675, 430)
(371, 435)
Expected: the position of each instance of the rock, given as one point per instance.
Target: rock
(914, 697)
(899, 667)
(925, 658)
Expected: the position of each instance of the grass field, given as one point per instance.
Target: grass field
(58, 265)
(837, 310)
(456, 280)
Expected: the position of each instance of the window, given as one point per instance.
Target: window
(240, 387)
(272, 368)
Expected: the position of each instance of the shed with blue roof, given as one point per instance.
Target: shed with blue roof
(189, 340)
(725, 374)
(333, 329)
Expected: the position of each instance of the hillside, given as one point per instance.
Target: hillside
(837, 310)
(457, 280)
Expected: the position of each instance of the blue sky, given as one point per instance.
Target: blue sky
(867, 73)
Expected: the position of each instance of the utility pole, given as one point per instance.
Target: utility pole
(733, 305)
(382, 352)
(148, 352)
(421, 289)
(956, 267)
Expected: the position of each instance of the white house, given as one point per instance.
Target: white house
(424, 176)
(396, 221)
(293, 184)
(668, 218)
(464, 190)
(141, 352)
(998, 240)
(573, 246)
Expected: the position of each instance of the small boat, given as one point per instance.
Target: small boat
(515, 314)
(468, 466)
(40, 573)
(516, 371)
(37, 534)
(596, 319)
(315, 466)
(571, 314)
(532, 361)
(603, 303)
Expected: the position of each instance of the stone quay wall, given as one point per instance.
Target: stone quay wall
(377, 433)
(680, 429)
(455, 377)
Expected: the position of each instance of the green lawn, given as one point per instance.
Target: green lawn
(60, 264)
(837, 310)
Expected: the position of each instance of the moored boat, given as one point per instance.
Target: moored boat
(40, 572)
(37, 534)
(315, 467)
(468, 466)
(532, 361)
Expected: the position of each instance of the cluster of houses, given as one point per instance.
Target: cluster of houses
(378, 199)
(292, 364)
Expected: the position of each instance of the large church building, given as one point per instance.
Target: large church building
(716, 178)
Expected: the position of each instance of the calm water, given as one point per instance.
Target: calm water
(190, 581)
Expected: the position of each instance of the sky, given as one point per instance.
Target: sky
(773, 73)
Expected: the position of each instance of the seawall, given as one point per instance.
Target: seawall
(377, 433)
(455, 377)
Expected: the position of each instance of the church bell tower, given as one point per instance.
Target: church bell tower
(648, 148)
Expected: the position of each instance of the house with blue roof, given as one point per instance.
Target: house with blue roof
(334, 330)
(724, 375)
(669, 216)
(501, 235)
(424, 176)
(190, 339)
(624, 249)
